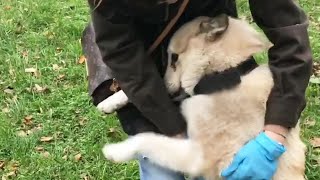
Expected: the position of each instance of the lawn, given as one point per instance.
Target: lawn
(48, 127)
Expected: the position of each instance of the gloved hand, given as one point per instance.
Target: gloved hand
(258, 159)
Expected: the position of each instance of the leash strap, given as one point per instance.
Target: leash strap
(167, 29)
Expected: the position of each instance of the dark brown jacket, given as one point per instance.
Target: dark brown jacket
(124, 31)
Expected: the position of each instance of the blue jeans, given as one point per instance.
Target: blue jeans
(151, 171)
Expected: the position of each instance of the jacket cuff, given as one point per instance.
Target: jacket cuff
(284, 111)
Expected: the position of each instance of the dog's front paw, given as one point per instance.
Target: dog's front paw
(107, 106)
(113, 103)
(118, 152)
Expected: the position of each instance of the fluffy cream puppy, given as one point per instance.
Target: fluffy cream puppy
(221, 122)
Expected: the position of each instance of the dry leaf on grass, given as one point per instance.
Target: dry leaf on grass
(9, 175)
(46, 139)
(22, 134)
(61, 76)
(45, 154)
(39, 89)
(14, 166)
(8, 91)
(7, 7)
(24, 54)
(316, 69)
(35, 129)
(33, 71)
(82, 121)
(2, 163)
(77, 157)
(85, 177)
(112, 132)
(65, 157)
(25, 133)
(28, 120)
(58, 49)
(39, 148)
(315, 142)
(82, 59)
(310, 122)
(315, 80)
(30, 70)
(56, 67)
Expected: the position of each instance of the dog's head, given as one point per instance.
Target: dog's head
(222, 42)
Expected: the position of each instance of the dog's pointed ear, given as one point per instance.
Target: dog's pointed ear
(214, 26)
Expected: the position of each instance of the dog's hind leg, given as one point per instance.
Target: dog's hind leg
(181, 155)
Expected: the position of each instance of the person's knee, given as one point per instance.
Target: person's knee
(151, 171)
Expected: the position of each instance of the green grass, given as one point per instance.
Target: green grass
(38, 34)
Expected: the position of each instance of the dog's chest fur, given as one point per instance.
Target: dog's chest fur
(223, 115)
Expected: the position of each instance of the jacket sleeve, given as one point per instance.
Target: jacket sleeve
(290, 59)
(124, 52)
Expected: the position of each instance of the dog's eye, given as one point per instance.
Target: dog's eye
(174, 59)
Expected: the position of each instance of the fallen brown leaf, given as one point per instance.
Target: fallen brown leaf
(9, 175)
(30, 70)
(25, 133)
(28, 120)
(14, 166)
(8, 91)
(85, 177)
(7, 7)
(24, 54)
(310, 122)
(316, 69)
(82, 121)
(61, 76)
(315, 142)
(39, 148)
(2, 164)
(33, 71)
(39, 89)
(46, 139)
(58, 49)
(114, 86)
(56, 67)
(34, 129)
(82, 59)
(112, 132)
(22, 134)
(45, 154)
(77, 157)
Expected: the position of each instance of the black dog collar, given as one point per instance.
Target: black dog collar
(227, 79)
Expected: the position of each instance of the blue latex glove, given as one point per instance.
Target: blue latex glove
(257, 160)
